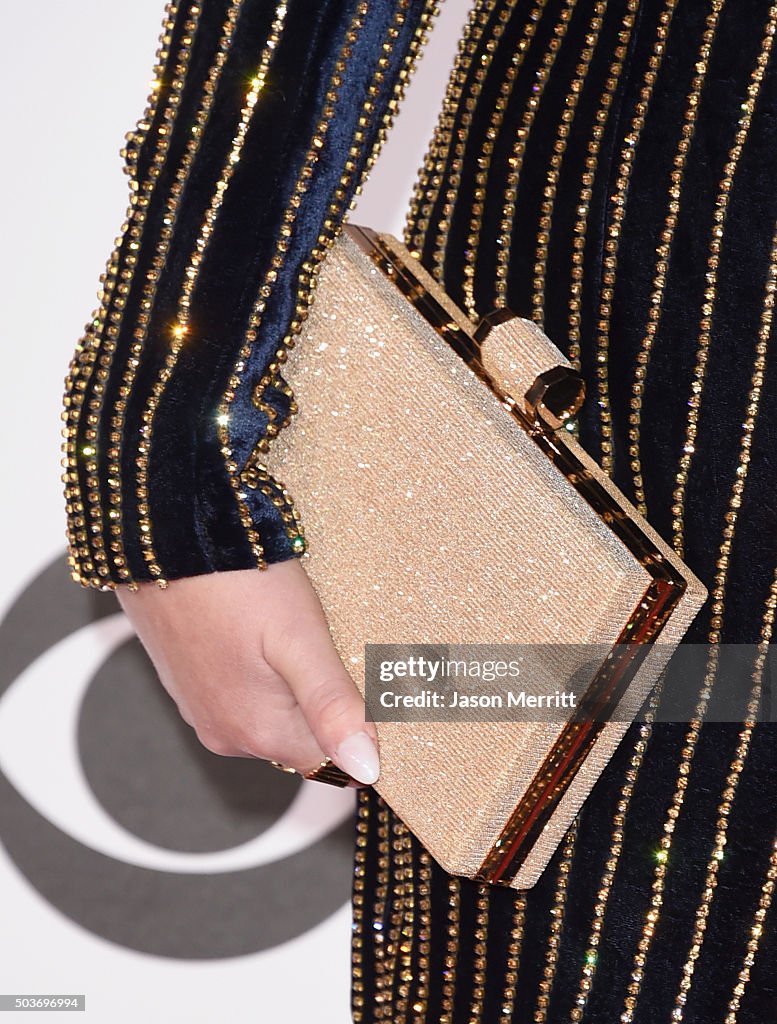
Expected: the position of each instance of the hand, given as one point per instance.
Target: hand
(248, 659)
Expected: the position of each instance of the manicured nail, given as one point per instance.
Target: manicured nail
(357, 756)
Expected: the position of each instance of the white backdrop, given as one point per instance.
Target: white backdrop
(74, 80)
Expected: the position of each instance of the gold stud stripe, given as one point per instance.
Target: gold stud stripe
(401, 901)
(255, 472)
(96, 350)
(724, 809)
(718, 593)
(407, 931)
(664, 849)
(420, 1001)
(754, 942)
(710, 291)
(767, 889)
(664, 250)
(513, 959)
(765, 332)
(487, 152)
(379, 933)
(357, 903)
(479, 954)
(617, 212)
(559, 149)
(580, 230)
(419, 40)
(451, 960)
(180, 328)
(518, 154)
(634, 985)
(487, 47)
(556, 926)
(590, 957)
(427, 188)
(136, 137)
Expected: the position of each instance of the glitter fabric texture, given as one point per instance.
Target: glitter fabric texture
(432, 517)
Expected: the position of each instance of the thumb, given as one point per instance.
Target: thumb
(307, 659)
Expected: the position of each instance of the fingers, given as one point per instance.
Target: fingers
(301, 650)
(203, 635)
(285, 738)
(248, 659)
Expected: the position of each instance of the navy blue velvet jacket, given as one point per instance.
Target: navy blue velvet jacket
(636, 140)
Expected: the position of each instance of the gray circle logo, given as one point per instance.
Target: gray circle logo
(198, 856)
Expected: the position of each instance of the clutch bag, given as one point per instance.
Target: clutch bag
(444, 502)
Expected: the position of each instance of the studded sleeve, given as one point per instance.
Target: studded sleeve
(263, 120)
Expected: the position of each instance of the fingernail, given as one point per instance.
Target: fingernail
(357, 756)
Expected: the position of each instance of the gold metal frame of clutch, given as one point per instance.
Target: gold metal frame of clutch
(540, 420)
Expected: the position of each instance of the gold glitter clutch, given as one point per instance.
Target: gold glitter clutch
(445, 503)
